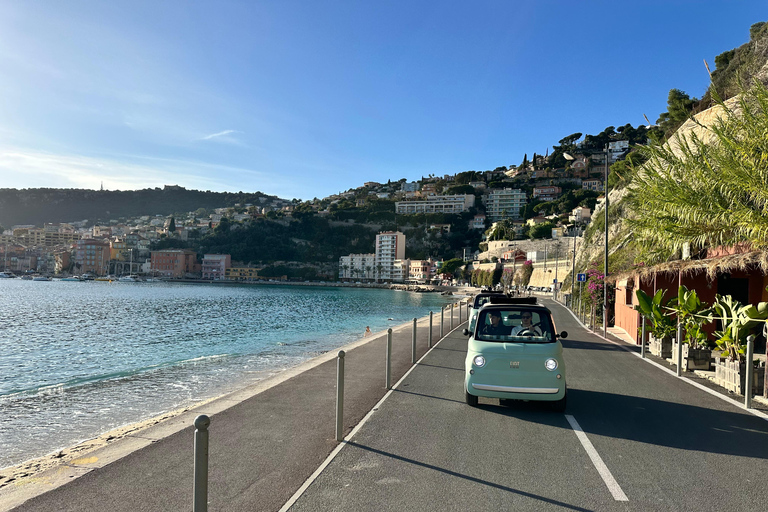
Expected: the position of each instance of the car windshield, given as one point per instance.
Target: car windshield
(514, 325)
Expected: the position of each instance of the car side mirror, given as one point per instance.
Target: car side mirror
(563, 334)
(465, 332)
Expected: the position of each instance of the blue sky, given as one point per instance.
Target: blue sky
(306, 99)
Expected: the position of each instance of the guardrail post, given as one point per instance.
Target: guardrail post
(340, 395)
(413, 343)
(679, 356)
(749, 372)
(442, 320)
(389, 359)
(430, 330)
(200, 486)
(452, 308)
(460, 307)
(642, 339)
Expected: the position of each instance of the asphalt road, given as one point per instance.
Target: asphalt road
(648, 441)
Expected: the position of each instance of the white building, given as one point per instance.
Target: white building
(437, 204)
(390, 246)
(504, 202)
(401, 270)
(580, 214)
(357, 266)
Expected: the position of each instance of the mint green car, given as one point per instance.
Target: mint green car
(514, 352)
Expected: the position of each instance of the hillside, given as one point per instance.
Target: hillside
(39, 205)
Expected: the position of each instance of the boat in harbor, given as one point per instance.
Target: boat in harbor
(72, 278)
(7, 275)
(41, 278)
(132, 278)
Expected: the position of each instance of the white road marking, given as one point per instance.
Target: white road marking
(702, 387)
(605, 473)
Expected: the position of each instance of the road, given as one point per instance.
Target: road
(632, 438)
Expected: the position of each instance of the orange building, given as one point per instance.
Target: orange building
(175, 263)
(92, 256)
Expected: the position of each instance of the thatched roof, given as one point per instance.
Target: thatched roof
(756, 260)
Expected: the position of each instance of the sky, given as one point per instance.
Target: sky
(304, 99)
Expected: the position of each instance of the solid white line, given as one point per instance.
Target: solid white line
(335, 452)
(695, 384)
(605, 473)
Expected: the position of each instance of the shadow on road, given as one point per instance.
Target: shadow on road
(467, 477)
(658, 422)
(590, 345)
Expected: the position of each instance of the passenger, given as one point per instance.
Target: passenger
(367, 331)
(496, 328)
(526, 326)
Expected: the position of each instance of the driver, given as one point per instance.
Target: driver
(526, 326)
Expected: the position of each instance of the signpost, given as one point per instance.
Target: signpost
(581, 278)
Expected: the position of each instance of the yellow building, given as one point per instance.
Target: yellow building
(242, 274)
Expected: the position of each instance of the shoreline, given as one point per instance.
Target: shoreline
(40, 474)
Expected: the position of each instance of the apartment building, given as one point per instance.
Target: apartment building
(595, 185)
(214, 266)
(400, 270)
(422, 271)
(357, 266)
(548, 193)
(437, 204)
(174, 263)
(507, 202)
(242, 274)
(92, 256)
(390, 246)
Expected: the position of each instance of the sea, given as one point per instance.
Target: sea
(78, 359)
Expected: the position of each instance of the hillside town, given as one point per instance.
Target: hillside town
(125, 247)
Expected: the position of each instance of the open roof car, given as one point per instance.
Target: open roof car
(514, 352)
(480, 299)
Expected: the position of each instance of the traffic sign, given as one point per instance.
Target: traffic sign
(582, 278)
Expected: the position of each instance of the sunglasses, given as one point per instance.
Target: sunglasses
(527, 317)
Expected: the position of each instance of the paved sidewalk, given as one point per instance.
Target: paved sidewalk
(262, 446)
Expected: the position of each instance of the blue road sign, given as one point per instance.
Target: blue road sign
(582, 278)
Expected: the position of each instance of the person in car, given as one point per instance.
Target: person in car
(526, 326)
(496, 327)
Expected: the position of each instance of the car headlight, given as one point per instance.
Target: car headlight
(550, 364)
(479, 361)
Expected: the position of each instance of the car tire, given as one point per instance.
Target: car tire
(470, 399)
(559, 405)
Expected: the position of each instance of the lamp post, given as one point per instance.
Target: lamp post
(605, 271)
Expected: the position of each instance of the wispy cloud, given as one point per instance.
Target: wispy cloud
(219, 134)
(21, 167)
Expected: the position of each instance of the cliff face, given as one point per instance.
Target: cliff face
(753, 57)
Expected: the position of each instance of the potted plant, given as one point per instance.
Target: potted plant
(737, 323)
(693, 315)
(657, 311)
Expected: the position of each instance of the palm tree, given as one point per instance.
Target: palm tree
(707, 190)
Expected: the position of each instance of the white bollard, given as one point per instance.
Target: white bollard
(340, 395)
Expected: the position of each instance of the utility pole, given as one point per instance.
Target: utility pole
(605, 271)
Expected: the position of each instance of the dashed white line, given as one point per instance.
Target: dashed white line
(605, 473)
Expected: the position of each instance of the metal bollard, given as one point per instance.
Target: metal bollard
(749, 371)
(413, 343)
(340, 395)
(642, 340)
(200, 486)
(442, 320)
(429, 344)
(679, 356)
(460, 307)
(389, 359)
(452, 315)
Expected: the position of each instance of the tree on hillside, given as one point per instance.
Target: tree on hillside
(172, 226)
(709, 192)
(679, 108)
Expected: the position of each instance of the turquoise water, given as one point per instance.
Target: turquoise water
(78, 359)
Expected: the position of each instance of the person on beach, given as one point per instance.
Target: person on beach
(368, 331)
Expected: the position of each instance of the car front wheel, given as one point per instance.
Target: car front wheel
(470, 399)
